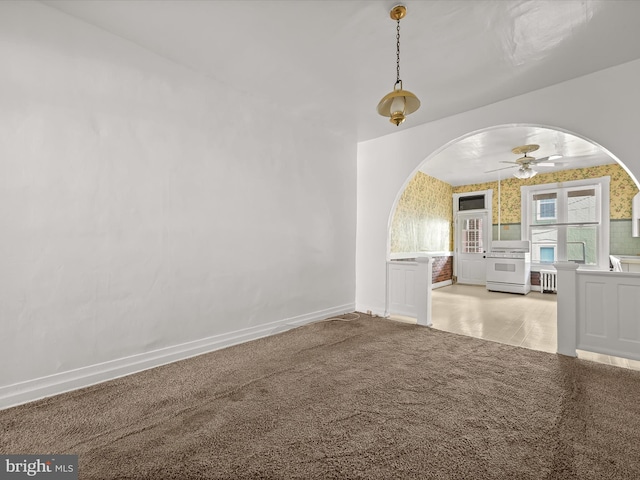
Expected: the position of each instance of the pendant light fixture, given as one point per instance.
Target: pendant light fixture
(399, 103)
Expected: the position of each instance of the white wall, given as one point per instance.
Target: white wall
(603, 107)
(143, 206)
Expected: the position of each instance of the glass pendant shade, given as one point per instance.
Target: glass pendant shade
(397, 105)
(524, 173)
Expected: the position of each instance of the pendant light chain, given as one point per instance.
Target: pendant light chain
(398, 53)
(400, 102)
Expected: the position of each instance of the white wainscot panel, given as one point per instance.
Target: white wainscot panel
(409, 289)
(608, 307)
(594, 306)
(402, 299)
(629, 313)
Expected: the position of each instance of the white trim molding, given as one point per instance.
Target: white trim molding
(19, 393)
(444, 283)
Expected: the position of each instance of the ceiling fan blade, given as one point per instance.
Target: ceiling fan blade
(547, 159)
(503, 168)
(551, 164)
(526, 162)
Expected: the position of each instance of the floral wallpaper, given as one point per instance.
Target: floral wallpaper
(622, 190)
(422, 220)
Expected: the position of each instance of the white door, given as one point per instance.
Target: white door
(472, 240)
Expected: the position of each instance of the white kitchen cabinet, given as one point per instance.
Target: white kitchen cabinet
(634, 267)
(629, 263)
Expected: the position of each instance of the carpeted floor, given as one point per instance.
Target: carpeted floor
(362, 399)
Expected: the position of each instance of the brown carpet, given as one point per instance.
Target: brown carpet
(367, 399)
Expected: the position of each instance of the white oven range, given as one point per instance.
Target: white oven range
(509, 266)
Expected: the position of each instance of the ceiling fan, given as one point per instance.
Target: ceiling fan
(525, 162)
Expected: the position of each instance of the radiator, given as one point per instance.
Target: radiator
(548, 281)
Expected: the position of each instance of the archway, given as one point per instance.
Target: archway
(579, 155)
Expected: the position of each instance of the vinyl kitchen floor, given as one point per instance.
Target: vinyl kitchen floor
(522, 320)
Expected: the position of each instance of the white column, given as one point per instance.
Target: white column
(567, 308)
(423, 290)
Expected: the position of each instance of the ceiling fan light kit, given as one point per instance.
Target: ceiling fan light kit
(399, 103)
(524, 173)
(525, 162)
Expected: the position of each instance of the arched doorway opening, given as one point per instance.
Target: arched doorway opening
(421, 222)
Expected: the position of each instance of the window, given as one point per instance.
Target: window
(546, 209)
(472, 236)
(471, 202)
(568, 222)
(547, 254)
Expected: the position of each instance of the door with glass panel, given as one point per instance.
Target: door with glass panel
(472, 238)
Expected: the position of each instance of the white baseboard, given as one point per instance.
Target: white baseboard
(441, 284)
(30, 390)
(369, 310)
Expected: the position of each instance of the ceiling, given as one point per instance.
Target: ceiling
(480, 157)
(335, 59)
